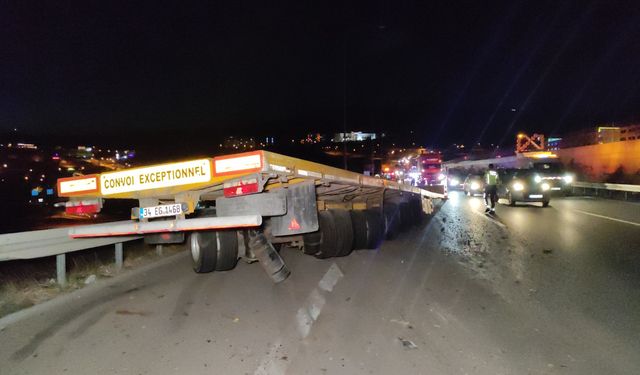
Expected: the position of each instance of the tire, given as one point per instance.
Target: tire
(327, 244)
(228, 250)
(391, 220)
(375, 229)
(416, 211)
(545, 203)
(213, 250)
(360, 229)
(204, 252)
(344, 232)
(406, 217)
(510, 200)
(313, 241)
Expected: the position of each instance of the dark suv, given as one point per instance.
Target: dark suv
(523, 185)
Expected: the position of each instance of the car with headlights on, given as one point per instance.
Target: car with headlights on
(473, 184)
(455, 180)
(523, 185)
(555, 174)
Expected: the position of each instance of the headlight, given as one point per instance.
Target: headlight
(518, 186)
(537, 179)
(545, 186)
(568, 179)
(454, 181)
(475, 186)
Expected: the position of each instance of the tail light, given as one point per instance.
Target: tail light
(83, 207)
(241, 187)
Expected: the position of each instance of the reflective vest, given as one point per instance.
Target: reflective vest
(491, 178)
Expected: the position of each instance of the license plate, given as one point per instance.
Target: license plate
(556, 188)
(535, 196)
(160, 211)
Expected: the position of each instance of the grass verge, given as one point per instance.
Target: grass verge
(24, 283)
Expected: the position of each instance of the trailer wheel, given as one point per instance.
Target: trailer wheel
(204, 252)
(313, 241)
(406, 216)
(344, 232)
(416, 211)
(391, 220)
(375, 226)
(227, 254)
(213, 250)
(327, 246)
(360, 229)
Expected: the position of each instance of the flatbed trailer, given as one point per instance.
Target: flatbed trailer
(239, 206)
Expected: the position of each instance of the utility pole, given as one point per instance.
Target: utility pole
(344, 105)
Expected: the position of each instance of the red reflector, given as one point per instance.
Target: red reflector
(241, 189)
(294, 224)
(83, 209)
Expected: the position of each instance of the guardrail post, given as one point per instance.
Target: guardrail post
(159, 250)
(61, 268)
(118, 256)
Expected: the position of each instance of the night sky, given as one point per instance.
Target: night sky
(450, 71)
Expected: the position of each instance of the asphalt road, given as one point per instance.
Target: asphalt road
(529, 291)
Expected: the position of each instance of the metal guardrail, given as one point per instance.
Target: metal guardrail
(607, 186)
(55, 242)
(609, 190)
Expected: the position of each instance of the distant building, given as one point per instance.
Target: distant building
(599, 135)
(82, 152)
(553, 143)
(239, 143)
(30, 146)
(608, 134)
(630, 133)
(353, 137)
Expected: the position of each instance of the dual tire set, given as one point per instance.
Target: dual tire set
(214, 250)
(342, 231)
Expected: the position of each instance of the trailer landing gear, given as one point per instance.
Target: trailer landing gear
(269, 258)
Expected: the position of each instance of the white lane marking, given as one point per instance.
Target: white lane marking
(271, 363)
(496, 222)
(310, 311)
(316, 303)
(607, 217)
(330, 279)
(303, 322)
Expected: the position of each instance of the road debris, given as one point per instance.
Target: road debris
(407, 344)
(401, 322)
(90, 279)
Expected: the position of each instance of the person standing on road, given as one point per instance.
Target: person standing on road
(491, 180)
